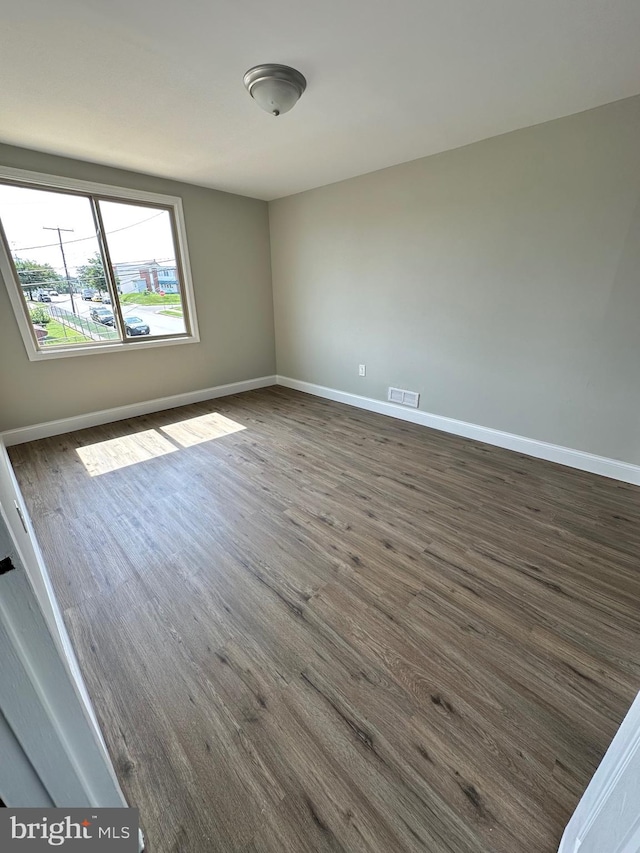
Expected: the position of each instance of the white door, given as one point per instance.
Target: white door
(46, 716)
(607, 819)
(21, 532)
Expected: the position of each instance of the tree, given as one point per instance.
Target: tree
(92, 273)
(33, 275)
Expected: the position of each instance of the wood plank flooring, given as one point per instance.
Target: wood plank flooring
(310, 628)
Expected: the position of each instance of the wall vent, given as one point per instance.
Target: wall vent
(405, 398)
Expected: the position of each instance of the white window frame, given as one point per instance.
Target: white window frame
(39, 180)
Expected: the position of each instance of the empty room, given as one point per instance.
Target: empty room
(320, 426)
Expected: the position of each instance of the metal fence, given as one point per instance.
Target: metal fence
(68, 320)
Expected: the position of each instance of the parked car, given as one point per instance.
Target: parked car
(53, 293)
(136, 326)
(106, 299)
(97, 297)
(102, 315)
(87, 294)
(44, 297)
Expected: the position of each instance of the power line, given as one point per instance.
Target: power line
(51, 285)
(145, 261)
(135, 265)
(92, 237)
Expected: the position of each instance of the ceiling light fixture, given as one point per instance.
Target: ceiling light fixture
(275, 88)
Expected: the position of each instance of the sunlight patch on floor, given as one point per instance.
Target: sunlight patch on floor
(116, 453)
(202, 428)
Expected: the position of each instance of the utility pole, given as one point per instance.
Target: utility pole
(64, 261)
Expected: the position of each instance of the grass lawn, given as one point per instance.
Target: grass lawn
(59, 334)
(147, 298)
(173, 312)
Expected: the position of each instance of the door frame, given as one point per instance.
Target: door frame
(607, 782)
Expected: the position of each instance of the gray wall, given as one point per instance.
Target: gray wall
(228, 239)
(500, 280)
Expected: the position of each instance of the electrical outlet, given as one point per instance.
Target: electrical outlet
(362, 370)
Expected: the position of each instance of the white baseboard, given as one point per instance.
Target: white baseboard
(623, 471)
(613, 468)
(120, 413)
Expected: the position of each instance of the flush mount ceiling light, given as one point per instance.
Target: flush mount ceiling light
(275, 88)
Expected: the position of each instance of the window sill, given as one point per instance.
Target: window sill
(99, 349)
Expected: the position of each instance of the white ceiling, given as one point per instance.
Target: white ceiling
(156, 85)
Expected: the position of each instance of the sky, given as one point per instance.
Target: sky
(134, 232)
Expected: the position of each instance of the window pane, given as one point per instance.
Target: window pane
(143, 256)
(55, 250)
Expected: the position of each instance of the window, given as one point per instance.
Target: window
(91, 268)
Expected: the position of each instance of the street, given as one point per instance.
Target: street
(159, 324)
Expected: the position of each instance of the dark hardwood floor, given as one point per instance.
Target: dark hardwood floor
(311, 628)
